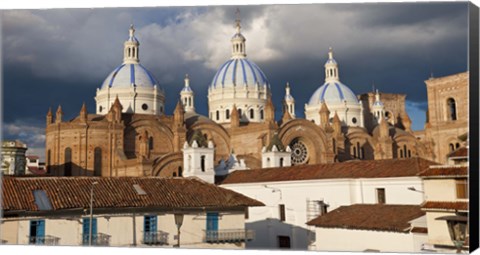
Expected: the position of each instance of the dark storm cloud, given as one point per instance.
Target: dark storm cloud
(54, 57)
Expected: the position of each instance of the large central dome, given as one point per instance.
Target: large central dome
(239, 72)
(333, 92)
(238, 84)
(127, 75)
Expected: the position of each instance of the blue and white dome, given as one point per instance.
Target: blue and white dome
(238, 72)
(128, 75)
(333, 92)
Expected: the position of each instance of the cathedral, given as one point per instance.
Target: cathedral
(130, 134)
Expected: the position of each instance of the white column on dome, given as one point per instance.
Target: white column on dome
(187, 96)
(289, 101)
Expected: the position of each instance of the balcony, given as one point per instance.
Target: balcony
(99, 239)
(155, 238)
(44, 240)
(229, 235)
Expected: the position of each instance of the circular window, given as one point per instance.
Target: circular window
(144, 107)
(299, 152)
(354, 120)
(100, 108)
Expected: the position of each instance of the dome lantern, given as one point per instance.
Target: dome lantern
(331, 68)
(238, 40)
(131, 46)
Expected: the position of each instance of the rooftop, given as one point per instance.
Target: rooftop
(379, 217)
(350, 169)
(118, 192)
(448, 171)
(445, 205)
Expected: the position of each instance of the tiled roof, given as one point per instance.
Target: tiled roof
(32, 157)
(445, 172)
(380, 217)
(447, 206)
(419, 230)
(459, 153)
(350, 169)
(36, 171)
(119, 192)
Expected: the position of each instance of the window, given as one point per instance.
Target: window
(462, 188)
(189, 101)
(174, 174)
(97, 162)
(180, 171)
(281, 211)
(150, 229)
(246, 213)
(284, 242)
(354, 120)
(37, 232)
(150, 143)
(252, 115)
(49, 159)
(281, 162)
(68, 162)
(202, 163)
(100, 108)
(381, 195)
(144, 107)
(451, 109)
(261, 114)
(86, 231)
(227, 114)
(240, 113)
(212, 226)
(457, 145)
(323, 207)
(218, 115)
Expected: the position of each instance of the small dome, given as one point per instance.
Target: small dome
(239, 72)
(333, 92)
(127, 74)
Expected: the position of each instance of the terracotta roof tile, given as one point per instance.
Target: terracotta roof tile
(444, 205)
(74, 193)
(350, 169)
(419, 230)
(444, 172)
(459, 153)
(380, 217)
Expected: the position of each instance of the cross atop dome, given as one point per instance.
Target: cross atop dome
(238, 40)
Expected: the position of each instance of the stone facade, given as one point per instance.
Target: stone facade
(447, 116)
(13, 157)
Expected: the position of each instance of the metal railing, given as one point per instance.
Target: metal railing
(99, 239)
(229, 235)
(44, 240)
(155, 238)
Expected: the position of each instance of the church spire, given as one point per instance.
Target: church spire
(131, 46)
(238, 40)
(289, 101)
(331, 68)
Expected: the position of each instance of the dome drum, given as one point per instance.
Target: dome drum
(133, 100)
(251, 110)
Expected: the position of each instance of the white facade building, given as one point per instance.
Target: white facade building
(136, 88)
(295, 195)
(339, 98)
(198, 160)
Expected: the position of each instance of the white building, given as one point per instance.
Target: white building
(126, 212)
(295, 195)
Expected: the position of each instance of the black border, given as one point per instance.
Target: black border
(473, 126)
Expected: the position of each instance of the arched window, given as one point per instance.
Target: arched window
(218, 115)
(281, 162)
(251, 114)
(49, 159)
(133, 50)
(97, 162)
(185, 101)
(334, 143)
(409, 153)
(451, 147)
(457, 145)
(261, 114)
(180, 171)
(174, 174)
(150, 143)
(227, 114)
(405, 150)
(354, 152)
(240, 113)
(68, 162)
(268, 162)
(452, 109)
(129, 53)
(202, 163)
(241, 47)
(189, 101)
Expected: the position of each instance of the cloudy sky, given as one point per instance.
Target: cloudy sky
(60, 57)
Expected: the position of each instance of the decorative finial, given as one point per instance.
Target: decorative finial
(131, 30)
(288, 84)
(187, 80)
(330, 53)
(237, 21)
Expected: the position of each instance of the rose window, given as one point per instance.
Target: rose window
(299, 152)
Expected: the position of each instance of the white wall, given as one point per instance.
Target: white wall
(120, 228)
(334, 239)
(294, 194)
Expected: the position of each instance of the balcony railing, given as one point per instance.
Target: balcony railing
(155, 238)
(229, 235)
(44, 240)
(99, 239)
